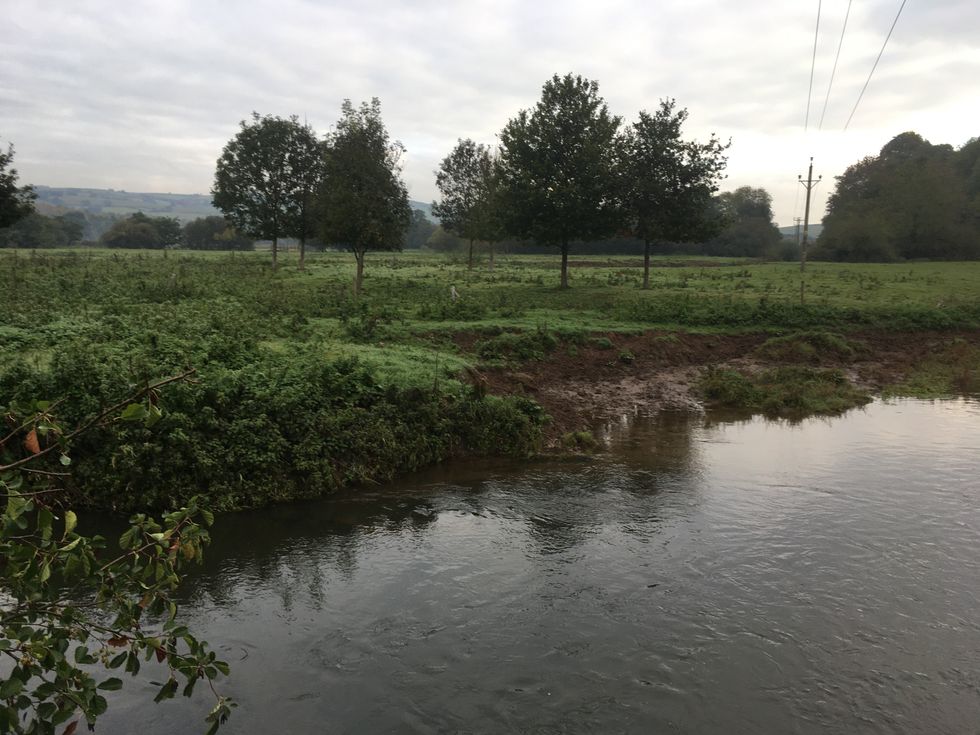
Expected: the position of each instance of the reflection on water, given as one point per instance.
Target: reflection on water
(702, 577)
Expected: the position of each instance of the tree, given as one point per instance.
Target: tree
(262, 179)
(748, 229)
(913, 200)
(214, 233)
(466, 181)
(669, 181)
(15, 202)
(363, 203)
(67, 606)
(141, 231)
(559, 168)
(39, 231)
(420, 228)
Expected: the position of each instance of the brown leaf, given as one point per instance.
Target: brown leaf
(71, 728)
(118, 641)
(31, 444)
(161, 655)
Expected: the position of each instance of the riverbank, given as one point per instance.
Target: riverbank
(611, 374)
(300, 390)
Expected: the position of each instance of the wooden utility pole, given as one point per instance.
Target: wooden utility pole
(808, 185)
(798, 220)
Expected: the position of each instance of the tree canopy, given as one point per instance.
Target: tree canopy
(363, 203)
(559, 167)
(214, 233)
(913, 200)
(466, 179)
(747, 228)
(669, 181)
(15, 202)
(141, 231)
(264, 178)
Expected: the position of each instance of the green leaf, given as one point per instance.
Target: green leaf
(111, 685)
(167, 691)
(11, 688)
(71, 520)
(133, 412)
(65, 460)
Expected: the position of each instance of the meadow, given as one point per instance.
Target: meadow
(301, 389)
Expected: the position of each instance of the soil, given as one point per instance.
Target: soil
(580, 385)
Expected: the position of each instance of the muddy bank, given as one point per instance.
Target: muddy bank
(615, 374)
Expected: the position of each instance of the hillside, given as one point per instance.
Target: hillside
(184, 207)
(815, 229)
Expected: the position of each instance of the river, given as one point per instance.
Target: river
(701, 576)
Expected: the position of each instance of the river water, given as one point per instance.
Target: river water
(701, 576)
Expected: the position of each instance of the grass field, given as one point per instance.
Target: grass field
(303, 388)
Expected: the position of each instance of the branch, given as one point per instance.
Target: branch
(101, 417)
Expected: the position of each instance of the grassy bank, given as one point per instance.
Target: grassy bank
(302, 389)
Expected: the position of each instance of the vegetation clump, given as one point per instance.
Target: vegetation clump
(792, 391)
(814, 347)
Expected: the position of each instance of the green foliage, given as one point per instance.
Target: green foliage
(363, 203)
(71, 609)
(913, 200)
(517, 346)
(809, 347)
(559, 167)
(214, 233)
(470, 207)
(15, 202)
(954, 369)
(749, 230)
(140, 231)
(39, 231)
(582, 441)
(789, 392)
(266, 177)
(669, 181)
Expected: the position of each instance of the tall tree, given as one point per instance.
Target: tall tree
(15, 202)
(559, 167)
(141, 231)
(669, 181)
(748, 228)
(363, 201)
(263, 178)
(466, 182)
(913, 200)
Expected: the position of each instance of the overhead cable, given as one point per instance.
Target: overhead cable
(833, 73)
(813, 65)
(868, 81)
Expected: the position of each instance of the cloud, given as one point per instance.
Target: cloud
(143, 95)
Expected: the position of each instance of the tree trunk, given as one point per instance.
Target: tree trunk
(469, 264)
(359, 276)
(275, 252)
(646, 264)
(564, 265)
(302, 253)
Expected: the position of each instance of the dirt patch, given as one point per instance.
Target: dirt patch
(615, 374)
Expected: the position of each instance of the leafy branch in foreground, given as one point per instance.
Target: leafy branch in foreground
(69, 608)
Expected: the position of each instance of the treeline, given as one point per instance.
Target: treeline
(40, 231)
(914, 200)
(745, 230)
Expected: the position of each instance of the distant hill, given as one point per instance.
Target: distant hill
(815, 229)
(184, 207)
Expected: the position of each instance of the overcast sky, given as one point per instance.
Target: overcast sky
(142, 96)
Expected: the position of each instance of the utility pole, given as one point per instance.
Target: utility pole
(797, 220)
(808, 185)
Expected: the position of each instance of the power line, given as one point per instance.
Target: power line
(833, 73)
(894, 22)
(813, 65)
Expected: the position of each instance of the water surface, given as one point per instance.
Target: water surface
(700, 577)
